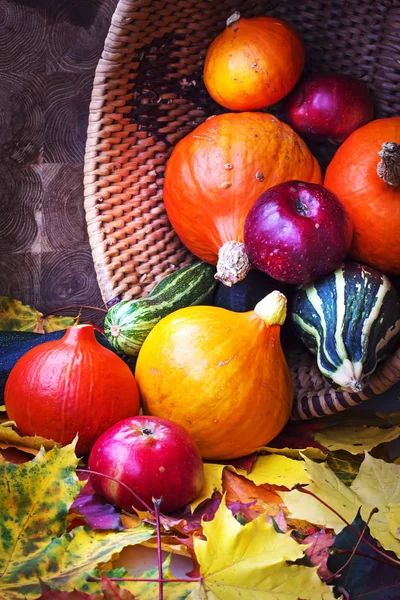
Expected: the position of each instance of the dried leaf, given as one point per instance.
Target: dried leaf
(212, 482)
(95, 511)
(9, 438)
(253, 563)
(364, 578)
(15, 316)
(318, 551)
(297, 439)
(35, 498)
(148, 590)
(330, 489)
(112, 591)
(56, 323)
(49, 593)
(355, 437)
(278, 470)
(378, 485)
(263, 499)
(344, 465)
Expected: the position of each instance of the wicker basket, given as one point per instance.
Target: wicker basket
(148, 93)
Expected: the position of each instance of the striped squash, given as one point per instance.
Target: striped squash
(350, 319)
(128, 323)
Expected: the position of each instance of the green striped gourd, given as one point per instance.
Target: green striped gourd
(350, 319)
(128, 323)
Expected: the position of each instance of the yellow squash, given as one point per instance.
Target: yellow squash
(220, 374)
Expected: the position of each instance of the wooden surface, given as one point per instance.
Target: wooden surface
(49, 50)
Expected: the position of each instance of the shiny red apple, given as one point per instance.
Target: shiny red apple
(329, 106)
(297, 232)
(154, 457)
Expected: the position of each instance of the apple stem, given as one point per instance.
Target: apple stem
(157, 502)
(90, 472)
(300, 488)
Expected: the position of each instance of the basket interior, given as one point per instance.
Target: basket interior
(148, 93)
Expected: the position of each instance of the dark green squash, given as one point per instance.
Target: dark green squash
(351, 320)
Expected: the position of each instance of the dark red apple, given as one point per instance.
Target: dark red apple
(297, 232)
(329, 106)
(154, 457)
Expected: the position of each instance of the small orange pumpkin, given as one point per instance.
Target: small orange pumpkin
(365, 175)
(253, 63)
(70, 386)
(222, 375)
(216, 173)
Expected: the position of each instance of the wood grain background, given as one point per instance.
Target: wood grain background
(49, 50)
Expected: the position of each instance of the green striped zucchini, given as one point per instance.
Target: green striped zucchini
(350, 319)
(128, 323)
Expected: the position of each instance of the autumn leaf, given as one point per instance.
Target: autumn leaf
(378, 485)
(254, 562)
(112, 591)
(317, 550)
(96, 512)
(32, 444)
(15, 316)
(148, 590)
(296, 439)
(344, 465)
(365, 577)
(212, 482)
(256, 499)
(49, 593)
(328, 488)
(35, 498)
(355, 437)
(278, 470)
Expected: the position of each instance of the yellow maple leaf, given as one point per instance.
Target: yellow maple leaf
(212, 482)
(273, 469)
(355, 438)
(315, 453)
(251, 562)
(331, 490)
(378, 485)
(35, 497)
(278, 470)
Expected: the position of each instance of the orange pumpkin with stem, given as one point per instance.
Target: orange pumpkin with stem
(222, 375)
(216, 173)
(365, 175)
(253, 63)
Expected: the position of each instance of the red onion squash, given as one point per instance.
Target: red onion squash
(70, 386)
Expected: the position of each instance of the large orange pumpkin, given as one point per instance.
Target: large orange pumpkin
(222, 375)
(253, 63)
(216, 173)
(365, 174)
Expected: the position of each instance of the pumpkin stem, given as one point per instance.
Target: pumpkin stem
(272, 308)
(388, 167)
(233, 263)
(233, 18)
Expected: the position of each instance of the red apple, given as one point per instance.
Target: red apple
(154, 457)
(329, 106)
(297, 232)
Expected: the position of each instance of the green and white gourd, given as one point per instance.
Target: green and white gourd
(350, 319)
(128, 323)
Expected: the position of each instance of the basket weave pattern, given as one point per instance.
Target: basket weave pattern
(148, 93)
